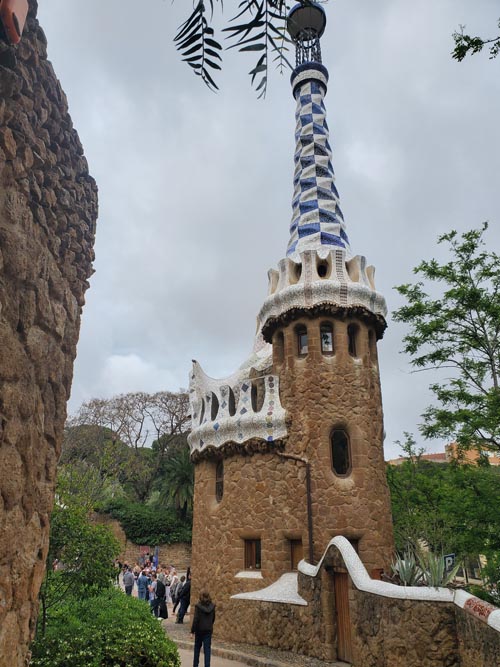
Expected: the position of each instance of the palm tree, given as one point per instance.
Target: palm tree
(178, 481)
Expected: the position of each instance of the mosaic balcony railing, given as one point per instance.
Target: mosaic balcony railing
(223, 412)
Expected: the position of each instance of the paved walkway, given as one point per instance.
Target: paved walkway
(227, 654)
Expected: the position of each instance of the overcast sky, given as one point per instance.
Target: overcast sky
(195, 188)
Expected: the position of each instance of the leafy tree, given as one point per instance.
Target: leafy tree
(450, 507)
(111, 437)
(84, 553)
(466, 44)
(458, 331)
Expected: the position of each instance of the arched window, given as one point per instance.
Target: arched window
(302, 342)
(326, 334)
(215, 407)
(219, 481)
(341, 452)
(352, 335)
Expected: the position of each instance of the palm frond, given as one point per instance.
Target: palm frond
(263, 31)
(195, 41)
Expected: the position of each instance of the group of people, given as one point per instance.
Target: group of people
(160, 585)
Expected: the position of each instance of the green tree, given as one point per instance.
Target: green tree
(84, 553)
(177, 482)
(450, 507)
(458, 331)
(466, 44)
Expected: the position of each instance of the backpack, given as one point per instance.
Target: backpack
(160, 590)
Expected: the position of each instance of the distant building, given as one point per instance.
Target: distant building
(451, 453)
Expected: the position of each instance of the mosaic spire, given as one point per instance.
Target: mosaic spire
(317, 219)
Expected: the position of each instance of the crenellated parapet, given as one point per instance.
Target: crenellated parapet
(236, 410)
(322, 280)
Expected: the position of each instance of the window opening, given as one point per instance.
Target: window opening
(202, 415)
(257, 394)
(326, 333)
(214, 407)
(352, 334)
(219, 480)
(322, 270)
(302, 342)
(252, 555)
(231, 403)
(341, 454)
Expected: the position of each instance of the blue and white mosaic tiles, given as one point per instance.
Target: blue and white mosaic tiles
(317, 219)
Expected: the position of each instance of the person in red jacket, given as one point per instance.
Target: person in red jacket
(202, 627)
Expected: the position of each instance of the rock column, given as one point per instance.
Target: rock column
(48, 211)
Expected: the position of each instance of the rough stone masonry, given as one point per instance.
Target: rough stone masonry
(48, 211)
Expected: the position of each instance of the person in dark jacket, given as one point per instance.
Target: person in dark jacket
(184, 600)
(202, 628)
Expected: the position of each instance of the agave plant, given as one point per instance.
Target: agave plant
(407, 569)
(433, 570)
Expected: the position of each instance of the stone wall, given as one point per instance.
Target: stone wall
(178, 555)
(48, 211)
(479, 644)
(391, 630)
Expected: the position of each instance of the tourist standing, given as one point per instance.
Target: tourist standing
(184, 600)
(202, 628)
(128, 581)
(176, 595)
(142, 586)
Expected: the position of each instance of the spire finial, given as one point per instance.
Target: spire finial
(306, 23)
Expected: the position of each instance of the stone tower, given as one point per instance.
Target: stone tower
(289, 449)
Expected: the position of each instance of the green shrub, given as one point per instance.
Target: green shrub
(109, 630)
(144, 524)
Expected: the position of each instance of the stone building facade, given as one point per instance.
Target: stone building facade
(289, 449)
(48, 211)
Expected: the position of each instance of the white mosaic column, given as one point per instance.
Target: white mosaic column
(316, 216)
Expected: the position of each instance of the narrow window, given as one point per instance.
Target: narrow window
(257, 394)
(296, 553)
(302, 344)
(231, 403)
(252, 555)
(352, 335)
(341, 454)
(202, 415)
(219, 481)
(326, 333)
(215, 407)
